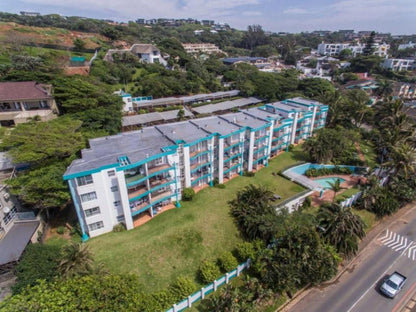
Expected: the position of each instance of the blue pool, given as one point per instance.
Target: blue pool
(324, 182)
(302, 168)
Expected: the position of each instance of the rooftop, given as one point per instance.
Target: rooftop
(143, 119)
(244, 120)
(215, 124)
(25, 90)
(182, 131)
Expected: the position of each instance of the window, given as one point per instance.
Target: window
(114, 188)
(84, 180)
(9, 216)
(92, 211)
(117, 203)
(111, 173)
(88, 196)
(120, 218)
(96, 225)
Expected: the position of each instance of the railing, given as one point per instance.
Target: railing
(22, 216)
(200, 294)
(351, 200)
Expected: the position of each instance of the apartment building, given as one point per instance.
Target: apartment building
(133, 176)
(207, 48)
(399, 64)
(333, 49)
(147, 53)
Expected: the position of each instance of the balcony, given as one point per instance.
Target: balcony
(159, 195)
(157, 168)
(199, 165)
(133, 178)
(156, 182)
(198, 151)
(136, 192)
(136, 207)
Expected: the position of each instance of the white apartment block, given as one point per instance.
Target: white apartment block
(333, 49)
(399, 64)
(207, 48)
(409, 45)
(132, 176)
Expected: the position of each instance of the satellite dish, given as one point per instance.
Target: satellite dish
(6, 209)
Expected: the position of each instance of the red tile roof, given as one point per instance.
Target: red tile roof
(25, 90)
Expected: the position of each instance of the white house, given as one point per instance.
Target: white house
(399, 64)
(147, 53)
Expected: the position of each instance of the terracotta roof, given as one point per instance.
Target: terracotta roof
(25, 90)
(143, 48)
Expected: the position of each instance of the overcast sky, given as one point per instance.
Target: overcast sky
(395, 16)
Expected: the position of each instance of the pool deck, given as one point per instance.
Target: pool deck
(328, 195)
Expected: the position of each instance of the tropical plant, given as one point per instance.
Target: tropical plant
(340, 228)
(76, 259)
(335, 187)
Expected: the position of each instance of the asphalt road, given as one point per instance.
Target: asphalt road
(357, 289)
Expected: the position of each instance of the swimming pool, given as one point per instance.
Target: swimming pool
(301, 169)
(324, 182)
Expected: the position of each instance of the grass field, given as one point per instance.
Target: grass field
(177, 241)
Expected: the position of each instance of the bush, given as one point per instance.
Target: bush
(182, 288)
(209, 271)
(317, 172)
(119, 228)
(227, 262)
(38, 262)
(248, 174)
(188, 194)
(290, 147)
(216, 181)
(220, 186)
(248, 250)
(60, 230)
(307, 202)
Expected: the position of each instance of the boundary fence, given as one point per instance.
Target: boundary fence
(200, 294)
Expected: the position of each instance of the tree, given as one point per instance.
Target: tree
(254, 37)
(76, 260)
(341, 228)
(385, 88)
(79, 44)
(345, 54)
(181, 114)
(403, 159)
(369, 45)
(335, 187)
(253, 212)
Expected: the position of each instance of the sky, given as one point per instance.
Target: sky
(394, 16)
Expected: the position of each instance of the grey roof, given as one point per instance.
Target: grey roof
(305, 101)
(15, 241)
(244, 120)
(136, 145)
(261, 113)
(143, 48)
(227, 105)
(143, 119)
(212, 96)
(5, 162)
(285, 107)
(158, 102)
(216, 124)
(182, 131)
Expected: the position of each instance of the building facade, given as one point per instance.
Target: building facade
(147, 53)
(207, 48)
(333, 49)
(132, 176)
(399, 64)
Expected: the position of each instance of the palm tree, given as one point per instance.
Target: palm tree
(403, 158)
(335, 187)
(341, 228)
(76, 260)
(385, 88)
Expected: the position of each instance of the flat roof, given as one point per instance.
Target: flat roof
(226, 105)
(244, 120)
(152, 117)
(182, 131)
(304, 101)
(215, 124)
(16, 240)
(285, 107)
(261, 113)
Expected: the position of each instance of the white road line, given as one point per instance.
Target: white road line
(396, 238)
(402, 246)
(385, 235)
(384, 273)
(399, 243)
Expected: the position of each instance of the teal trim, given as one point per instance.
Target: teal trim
(279, 146)
(261, 158)
(147, 177)
(305, 126)
(124, 159)
(170, 148)
(201, 166)
(279, 137)
(141, 162)
(232, 133)
(199, 140)
(200, 154)
(281, 127)
(232, 157)
(233, 167)
(200, 178)
(262, 127)
(84, 173)
(233, 145)
(262, 138)
(151, 190)
(259, 150)
(78, 211)
(304, 117)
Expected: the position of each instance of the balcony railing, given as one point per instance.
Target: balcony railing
(158, 168)
(137, 192)
(161, 195)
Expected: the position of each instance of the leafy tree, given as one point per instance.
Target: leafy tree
(76, 260)
(341, 228)
(385, 88)
(253, 212)
(335, 187)
(26, 62)
(369, 45)
(79, 44)
(314, 87)
(254, 37)
(345, 54)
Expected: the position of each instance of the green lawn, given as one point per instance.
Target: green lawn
(175, 242)
(347, 193)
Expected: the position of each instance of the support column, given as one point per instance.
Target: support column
(81, 220)
(250, 152)
(294, 126)
(221, 160)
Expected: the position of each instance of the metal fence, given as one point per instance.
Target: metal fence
(200, 294)
(351, 200)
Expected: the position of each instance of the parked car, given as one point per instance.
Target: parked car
(393, 284)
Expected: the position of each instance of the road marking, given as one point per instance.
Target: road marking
(399, 242)
(384, 273)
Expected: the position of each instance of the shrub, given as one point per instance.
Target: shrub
(227, 262)
(188, 194)
(220, 186)
(181, 288)
(60, 230)
(307, 202)
(119, 227)
(216, 181)
(290, 147)
(209, 271)
(248, 174)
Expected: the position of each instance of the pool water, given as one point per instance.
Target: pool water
(301, 169)
(324, 182)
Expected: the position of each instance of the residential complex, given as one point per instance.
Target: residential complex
(207, 48)
(333, 49)
(399, 64)
(130, 177)
(22, 101)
